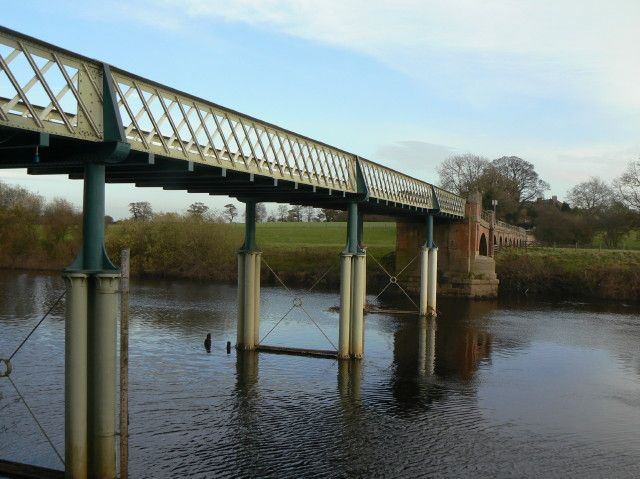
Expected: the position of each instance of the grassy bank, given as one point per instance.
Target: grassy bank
(568, 272)
(299, 253)
(173, 246)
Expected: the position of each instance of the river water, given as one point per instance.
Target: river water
(489, 389)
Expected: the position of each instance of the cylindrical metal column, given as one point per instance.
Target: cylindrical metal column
(344, 331)
(352, 228)
(93, 217)
(256, 311)
(429, 231)
(424, 281)
(364, 282)
(103, 312)
(357, 306)
(240, 317)
(432, 281)
(250, 226)
(249, 341)
(75, 384)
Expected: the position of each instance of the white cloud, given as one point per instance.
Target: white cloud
(539, 47)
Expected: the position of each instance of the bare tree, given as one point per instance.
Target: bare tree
(309, 213)
(462, 173)
(282, 212)
(230, 211)
(330, 215)
(627, 187)
(528, 185)
(197, 209)
(141, 210)
(592, 195)
(261, 212)
(295, 213)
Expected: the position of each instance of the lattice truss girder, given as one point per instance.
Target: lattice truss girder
(450, 203)
(45, 90)
(388, 185)
(167, 123)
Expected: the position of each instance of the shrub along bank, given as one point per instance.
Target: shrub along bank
(175, 246)
(568, 272)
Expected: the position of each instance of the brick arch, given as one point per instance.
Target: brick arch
(483, 247)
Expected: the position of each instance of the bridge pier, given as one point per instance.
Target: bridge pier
(249, 266)
(428, 272)
(90, 343)
(352, 290)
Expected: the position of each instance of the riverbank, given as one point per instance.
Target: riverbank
(172, 246)
(178, 247)
(569, 272)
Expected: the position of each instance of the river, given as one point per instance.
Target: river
(490, 389)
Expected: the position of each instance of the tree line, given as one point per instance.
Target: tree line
(143, 210)
(593, 207)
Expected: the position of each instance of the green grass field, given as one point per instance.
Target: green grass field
(307, 249)
(332, 235)
(629, 241)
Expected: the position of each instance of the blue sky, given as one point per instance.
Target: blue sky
(403, 82)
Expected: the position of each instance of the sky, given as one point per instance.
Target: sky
(406, 83)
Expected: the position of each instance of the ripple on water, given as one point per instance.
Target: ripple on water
(507, 390)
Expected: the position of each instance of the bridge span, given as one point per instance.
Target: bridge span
(65, 113)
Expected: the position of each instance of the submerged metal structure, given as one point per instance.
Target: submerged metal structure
(64, 113)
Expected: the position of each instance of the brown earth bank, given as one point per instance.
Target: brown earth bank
(570, 273)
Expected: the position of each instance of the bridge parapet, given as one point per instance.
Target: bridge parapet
(511, 228)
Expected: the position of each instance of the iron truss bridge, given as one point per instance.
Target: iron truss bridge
(59, 109)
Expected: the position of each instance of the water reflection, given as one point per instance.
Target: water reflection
(350, 382)
(487, 389)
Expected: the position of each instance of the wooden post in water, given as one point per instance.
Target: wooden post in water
(124, 365)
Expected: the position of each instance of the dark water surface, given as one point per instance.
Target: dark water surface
(490, 389)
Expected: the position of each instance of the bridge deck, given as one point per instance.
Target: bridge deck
(63, 102)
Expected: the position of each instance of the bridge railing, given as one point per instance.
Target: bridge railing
(515, 229)
(487, 215)
(48, 89)
(173, 124)
(392, 186)
(450, 203)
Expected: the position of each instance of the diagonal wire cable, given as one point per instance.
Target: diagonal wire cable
(319, 328)
(320, 278)
(383, 290)
(396, 276)
(407, 265)
(276, 275)
(380, 264)
(44, 433)
(274, 327)
(39, 323)
(407, 295)
(300, 306)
